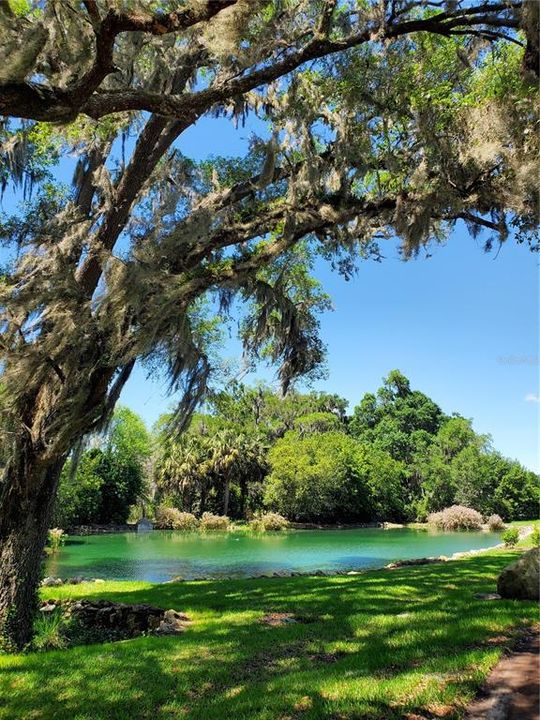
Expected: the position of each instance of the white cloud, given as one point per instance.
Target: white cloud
(532, 397)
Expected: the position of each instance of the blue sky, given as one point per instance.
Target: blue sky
(462, 325)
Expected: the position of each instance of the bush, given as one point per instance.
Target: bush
(535, 535)
(456, 517)
(269, 522)
(510, 537)
(495, 523)
(49, 631)
(214, 522)
(56, 537)
(169, 518)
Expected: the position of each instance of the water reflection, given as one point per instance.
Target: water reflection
(161, 555)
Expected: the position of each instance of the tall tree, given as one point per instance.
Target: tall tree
(386, 118)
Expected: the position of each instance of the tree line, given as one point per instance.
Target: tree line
(396, 457)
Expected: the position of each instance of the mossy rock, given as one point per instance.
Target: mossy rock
(521, 579)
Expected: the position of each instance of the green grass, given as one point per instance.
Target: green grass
(378, 645)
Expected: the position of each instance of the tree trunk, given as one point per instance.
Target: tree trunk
(226, 495)
(27, 496)
(243, 496)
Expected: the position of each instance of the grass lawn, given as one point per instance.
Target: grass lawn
(386, 644)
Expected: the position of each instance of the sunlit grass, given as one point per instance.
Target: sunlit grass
(383, 644)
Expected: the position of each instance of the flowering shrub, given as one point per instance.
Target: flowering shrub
(495, 523)
(269, 522)
(168, 518)
(456, 517)
(214, 522)
(57, 537)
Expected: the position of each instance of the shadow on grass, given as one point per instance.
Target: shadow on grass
(380, 645)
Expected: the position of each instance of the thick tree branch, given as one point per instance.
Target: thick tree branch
(41, 102)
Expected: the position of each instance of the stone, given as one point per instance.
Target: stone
(173, 623)
(521, 579)
(145, 525)
(487, 596)
(49, 606)
(52, 582)
(99, 581)
(128, 620)
(277, 619)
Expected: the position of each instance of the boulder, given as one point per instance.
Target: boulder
(521, 579)
(52, 582)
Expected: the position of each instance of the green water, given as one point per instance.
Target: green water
(159, 556)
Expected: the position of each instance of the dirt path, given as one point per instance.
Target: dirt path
(512, 689)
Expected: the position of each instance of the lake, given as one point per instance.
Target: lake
(161, 555)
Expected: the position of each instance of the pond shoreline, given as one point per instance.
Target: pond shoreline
(396, 565)
(113, 528)
(54, 580)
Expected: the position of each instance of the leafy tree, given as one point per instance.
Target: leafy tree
(329, 476)
(316, 478)
(387, 138)
(108, 478)
(396, 417)
(79, 500)
(201, 469)
(517, 496)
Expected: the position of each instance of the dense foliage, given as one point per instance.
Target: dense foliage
(397, 457)
(109, 478)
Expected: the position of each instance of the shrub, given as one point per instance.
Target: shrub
(169, 518)
(214, 522)
(495, 523)
(510, 537)
(49, 631)
(535, 535)
(269, 522)
(456, 517)
(57, 537)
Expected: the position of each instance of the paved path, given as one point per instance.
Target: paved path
(512, 689)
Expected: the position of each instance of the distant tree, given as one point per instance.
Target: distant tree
(329, 476)
(200, 469)
(109, 478)
(393, 417)
(79, 500)
(517, 496)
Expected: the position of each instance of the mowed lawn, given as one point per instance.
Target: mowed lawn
(386, 644)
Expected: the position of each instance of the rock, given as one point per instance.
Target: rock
(128, 620)
(413, 561)
(173, 623)
(277, 619)
(521, 579)
(99, 581)
(49, 606)
(487, 596)
(145, 525)
(52, 582)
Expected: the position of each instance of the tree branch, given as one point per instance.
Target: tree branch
(41, 102)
